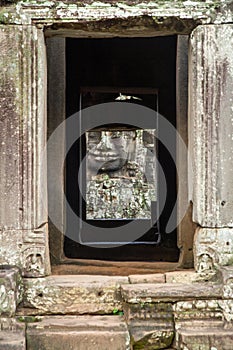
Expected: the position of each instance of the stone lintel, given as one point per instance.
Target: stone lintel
(167, 16)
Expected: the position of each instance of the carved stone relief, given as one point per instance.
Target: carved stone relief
(121, 181)
(212, 248)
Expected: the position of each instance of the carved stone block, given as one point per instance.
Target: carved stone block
(186, 312)
(11, 289)
(150, 324)
(28, 249)
(212, 248)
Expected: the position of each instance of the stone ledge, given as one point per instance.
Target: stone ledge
(78, 332)
(73, 294)
(150, 293)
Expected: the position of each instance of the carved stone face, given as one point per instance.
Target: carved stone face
(109, 150)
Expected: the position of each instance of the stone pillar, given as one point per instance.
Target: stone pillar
(23, 207)
(211, 144)
(56, 54)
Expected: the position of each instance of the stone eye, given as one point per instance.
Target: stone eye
(93, 136)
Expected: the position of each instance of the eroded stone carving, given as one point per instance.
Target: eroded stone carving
(205, 264)
(228, 289)
(199, 310)
(28, 249)
(121, 176)
(150, 324)
(213, 248)
(33, 261)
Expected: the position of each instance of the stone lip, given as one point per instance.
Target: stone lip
(150, 293)
(80, 323)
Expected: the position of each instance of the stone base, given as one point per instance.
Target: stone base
(79, 333)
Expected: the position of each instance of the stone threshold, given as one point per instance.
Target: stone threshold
(113, 268)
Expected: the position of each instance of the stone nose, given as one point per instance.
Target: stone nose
(105, 143)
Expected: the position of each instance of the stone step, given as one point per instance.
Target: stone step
(68, 294)
(169, 292)
(78, 333)
(205, 338)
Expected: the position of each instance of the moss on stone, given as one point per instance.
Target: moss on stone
(28, 319)
(158, 340)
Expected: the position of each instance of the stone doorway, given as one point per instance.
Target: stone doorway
(164, 66)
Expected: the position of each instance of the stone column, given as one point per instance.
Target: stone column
(23, 206)
(211, 144)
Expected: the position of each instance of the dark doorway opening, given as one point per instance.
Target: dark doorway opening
(146, 63)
